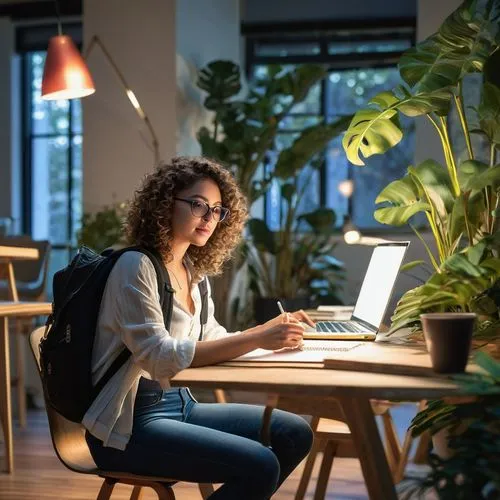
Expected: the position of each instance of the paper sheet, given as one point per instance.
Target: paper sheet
(314, 351)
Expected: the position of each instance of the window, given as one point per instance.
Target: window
(52, 159)
(361, 62)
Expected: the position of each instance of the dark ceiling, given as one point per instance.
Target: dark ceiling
(20, 10)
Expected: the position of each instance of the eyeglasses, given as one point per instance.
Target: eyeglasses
(202, 209)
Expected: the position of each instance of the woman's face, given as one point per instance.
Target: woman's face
(194, 228)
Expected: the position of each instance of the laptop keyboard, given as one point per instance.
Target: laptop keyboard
(339, 327)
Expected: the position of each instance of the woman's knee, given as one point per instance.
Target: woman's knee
(265, 469)
(293, 432)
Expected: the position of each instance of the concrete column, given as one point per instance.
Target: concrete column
(140, 37)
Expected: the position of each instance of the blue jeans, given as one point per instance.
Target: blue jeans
(174, 436)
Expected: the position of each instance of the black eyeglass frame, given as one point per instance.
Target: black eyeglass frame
(225, 212)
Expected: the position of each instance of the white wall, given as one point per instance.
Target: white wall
(205, 31)
(141, 39)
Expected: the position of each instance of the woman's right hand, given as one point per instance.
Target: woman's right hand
(280, 332)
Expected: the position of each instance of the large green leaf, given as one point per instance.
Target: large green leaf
(311, 141)
(462, 45)
(489, 177)
(374, 131)
(402, 194)
(469, 169)
(488, 112)
(434, 178)
(221, 80)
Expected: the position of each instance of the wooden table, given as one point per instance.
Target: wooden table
(318, 392)
(9, 254)
(9, 310)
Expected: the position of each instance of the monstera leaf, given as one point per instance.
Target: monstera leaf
(462, 45)
(312, 141)
(374, 131)
(403, 197)
(221, 80)
(426, 187)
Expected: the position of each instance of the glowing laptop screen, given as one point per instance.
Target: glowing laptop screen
(378, 283)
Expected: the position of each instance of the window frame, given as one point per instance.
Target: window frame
(324, 33)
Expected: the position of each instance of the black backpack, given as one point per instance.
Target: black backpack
(66, 348)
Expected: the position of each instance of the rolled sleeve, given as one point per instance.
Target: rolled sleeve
(142, 328)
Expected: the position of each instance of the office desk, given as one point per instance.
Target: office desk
(9, 310)
(315, 388)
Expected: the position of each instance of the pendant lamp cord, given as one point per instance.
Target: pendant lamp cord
(58, 16)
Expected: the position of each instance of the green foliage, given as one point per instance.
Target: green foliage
(290, 261)
(460, 199)
(473, 470)
(104, 228)
(300, 263)
(245, 129)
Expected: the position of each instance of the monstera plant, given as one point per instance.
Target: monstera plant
(459, 199)
(243, 137)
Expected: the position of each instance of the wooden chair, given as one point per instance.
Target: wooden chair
(68, 439)
(31, 281)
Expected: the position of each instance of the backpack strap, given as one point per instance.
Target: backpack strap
(203, 286)
(165, 291)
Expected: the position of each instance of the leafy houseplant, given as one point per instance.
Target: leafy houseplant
(103, 229)
(473, 469)
(244, 133)
(460, 200)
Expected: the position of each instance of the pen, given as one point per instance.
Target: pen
(280, 307)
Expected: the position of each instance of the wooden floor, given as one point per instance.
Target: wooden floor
(39, 475)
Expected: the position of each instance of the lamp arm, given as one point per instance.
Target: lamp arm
(95, 40)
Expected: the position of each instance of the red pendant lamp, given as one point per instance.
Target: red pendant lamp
(65, 74)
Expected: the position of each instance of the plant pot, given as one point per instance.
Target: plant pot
(266, 308)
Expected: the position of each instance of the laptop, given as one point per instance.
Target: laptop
(373, 298)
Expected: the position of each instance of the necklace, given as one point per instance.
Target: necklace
(176, 279)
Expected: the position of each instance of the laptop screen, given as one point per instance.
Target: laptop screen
(378, 283)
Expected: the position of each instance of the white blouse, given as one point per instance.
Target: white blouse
(131, 314)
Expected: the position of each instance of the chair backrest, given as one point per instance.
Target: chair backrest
(31, 271)
(68, 437)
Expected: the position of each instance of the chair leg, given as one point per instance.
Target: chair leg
(318, 445)
(21, 370)
(163, 491)
(392, 446)
(326, 468)
(136, 493)
(206, 489)
(403, 460)
(106, 489)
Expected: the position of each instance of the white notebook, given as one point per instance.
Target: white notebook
(314, 351)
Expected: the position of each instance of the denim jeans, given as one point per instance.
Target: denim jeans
(174, 436)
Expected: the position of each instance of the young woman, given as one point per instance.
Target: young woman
(192, 213)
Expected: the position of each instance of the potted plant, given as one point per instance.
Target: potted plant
(295, 262)
(460, 199)
(472, 467)
(243, 137)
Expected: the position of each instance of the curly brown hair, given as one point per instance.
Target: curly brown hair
(148, 222)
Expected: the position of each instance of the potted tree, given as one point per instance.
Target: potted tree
(460, 200)
(244, 135)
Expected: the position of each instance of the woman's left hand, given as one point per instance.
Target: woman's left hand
(301, 315)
